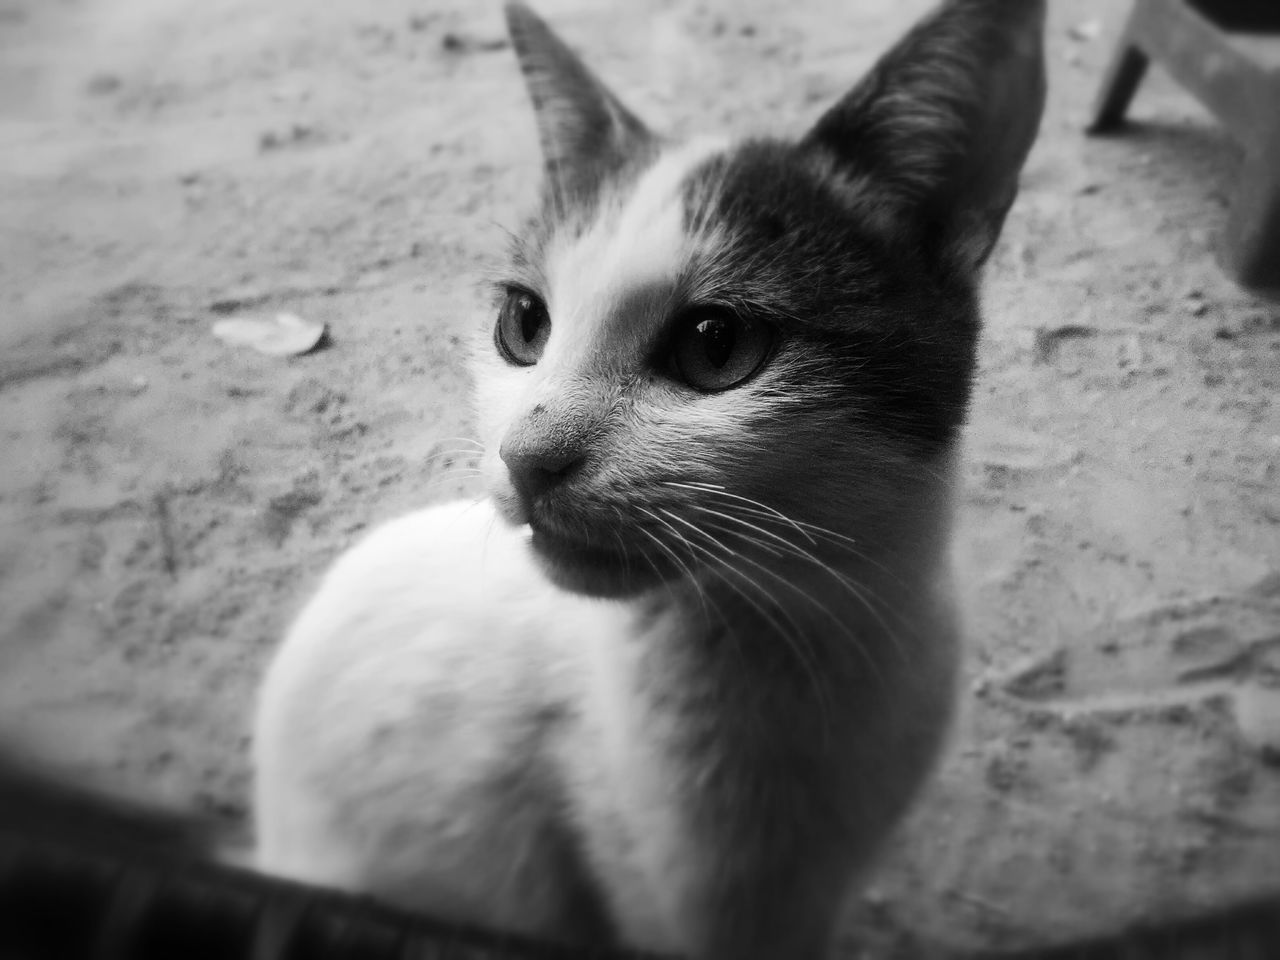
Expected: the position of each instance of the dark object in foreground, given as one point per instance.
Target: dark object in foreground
(63, 903)
(83, 877)
(1227, 53)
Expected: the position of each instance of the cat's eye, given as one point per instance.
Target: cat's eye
(714, 348)
(523, 327)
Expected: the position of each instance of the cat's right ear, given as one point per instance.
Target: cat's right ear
(586, 132)
(938, 131)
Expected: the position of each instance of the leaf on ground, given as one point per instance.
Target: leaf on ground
(288, 335)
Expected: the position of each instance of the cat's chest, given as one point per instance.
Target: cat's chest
(670, 771)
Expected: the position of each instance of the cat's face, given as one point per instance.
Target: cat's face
(711, 346)
(711, 355)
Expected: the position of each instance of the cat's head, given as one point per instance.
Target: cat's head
(711, 351)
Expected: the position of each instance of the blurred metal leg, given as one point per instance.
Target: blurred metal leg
(1227, 54)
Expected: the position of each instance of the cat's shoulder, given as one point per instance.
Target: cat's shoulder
(453, 551)
(446, 600)
(450, 577)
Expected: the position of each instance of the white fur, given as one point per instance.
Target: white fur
(398, 703)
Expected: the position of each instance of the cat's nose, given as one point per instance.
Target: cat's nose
(536, 470)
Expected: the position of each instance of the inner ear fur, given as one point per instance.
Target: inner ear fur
(942, 124)
(586, 132)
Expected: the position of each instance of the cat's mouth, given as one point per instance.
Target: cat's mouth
(583, 566)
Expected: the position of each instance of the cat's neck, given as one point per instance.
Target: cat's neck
(829, 611)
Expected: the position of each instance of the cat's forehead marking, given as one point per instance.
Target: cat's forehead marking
(637, 241)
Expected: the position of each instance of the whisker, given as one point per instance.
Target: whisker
(823, 608)
(794, 639)
(452, 452)
(791, 548)
(471, 440)
(679, 537)
(841, 540)
(764, 512)
(656, 539)
(488, 534)
(712, 488)
(653, 564)
(448, 478)
(865, 597)
(703, 598)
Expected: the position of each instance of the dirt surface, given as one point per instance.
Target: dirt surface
(166, 500)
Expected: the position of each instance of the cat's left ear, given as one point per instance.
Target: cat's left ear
(586, 132)
(939, 129)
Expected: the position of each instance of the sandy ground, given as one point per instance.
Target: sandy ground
(166, 500)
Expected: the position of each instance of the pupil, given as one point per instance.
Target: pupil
(717, 341)
(529, 320)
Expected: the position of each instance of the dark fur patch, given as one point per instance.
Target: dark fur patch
(944, 121)
(860, 303)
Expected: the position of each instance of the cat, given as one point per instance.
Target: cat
(674, 680)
